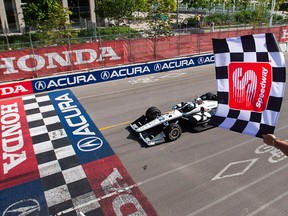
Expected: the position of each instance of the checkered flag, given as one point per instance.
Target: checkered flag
(251, 77)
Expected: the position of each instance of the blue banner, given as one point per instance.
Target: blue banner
(85, 78)
(88, 142)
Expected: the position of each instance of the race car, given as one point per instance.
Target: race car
(155, 128)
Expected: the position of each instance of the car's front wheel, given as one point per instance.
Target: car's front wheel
(209, 96)
(152, 113)
(172, 132)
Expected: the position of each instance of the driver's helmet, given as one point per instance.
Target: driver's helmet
(190, 107)
(199, 101)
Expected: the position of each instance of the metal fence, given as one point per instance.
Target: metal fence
(33, 59)
(95, 35)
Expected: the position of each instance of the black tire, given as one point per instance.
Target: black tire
(172, 132)
(209, 96)
(152, 113)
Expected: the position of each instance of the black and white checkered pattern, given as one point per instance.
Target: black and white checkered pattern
(66, 188)
(249, 48)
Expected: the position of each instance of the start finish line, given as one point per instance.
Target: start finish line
(55, 161)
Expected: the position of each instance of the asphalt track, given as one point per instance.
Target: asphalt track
(215, 172)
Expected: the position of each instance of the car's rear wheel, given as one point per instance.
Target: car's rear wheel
(172, 132)
(152, 113)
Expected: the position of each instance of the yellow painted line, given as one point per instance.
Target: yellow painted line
(120, 124)
(113, 126)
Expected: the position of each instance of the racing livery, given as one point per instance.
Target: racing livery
(155, 128)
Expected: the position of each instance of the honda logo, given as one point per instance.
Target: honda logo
(90, 144)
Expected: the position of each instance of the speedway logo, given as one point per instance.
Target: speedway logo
(249, 85)
(84, 136)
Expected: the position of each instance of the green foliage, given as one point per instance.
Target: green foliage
(50, 19)
(240, 4)
(279, 19)
(219, 19)
(158, 12)
(140, 5)
(208, 4)
(159, 18)
(115, 9)
(110, 33)
(243, 17)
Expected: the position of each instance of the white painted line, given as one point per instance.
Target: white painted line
(220, 174)
(268, 204)
(97, 200)
(143, 80)
(172, 75)
(242, 188)
(238, 191)
(196, 162)
(211, 156)
(203, 159)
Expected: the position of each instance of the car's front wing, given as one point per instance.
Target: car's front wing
(150, 136)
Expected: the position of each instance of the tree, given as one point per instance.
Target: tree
(50, 20)
(204, 4)
(141, 5)
(116, 9)
(159, 19)
(157, 12)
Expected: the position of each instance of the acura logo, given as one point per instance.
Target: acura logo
(105, 75)
(23, 208)
(40, 85)
(157, 67)
(90, 144)
(200, 60)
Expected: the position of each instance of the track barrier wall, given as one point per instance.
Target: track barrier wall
(37, 85)
(89, 63)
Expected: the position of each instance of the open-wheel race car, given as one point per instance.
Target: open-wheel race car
(154, 127)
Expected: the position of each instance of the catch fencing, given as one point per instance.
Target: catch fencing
(97, 54)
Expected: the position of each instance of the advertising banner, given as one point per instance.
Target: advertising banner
(15, 89)
(85, 78)
(46, 61)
